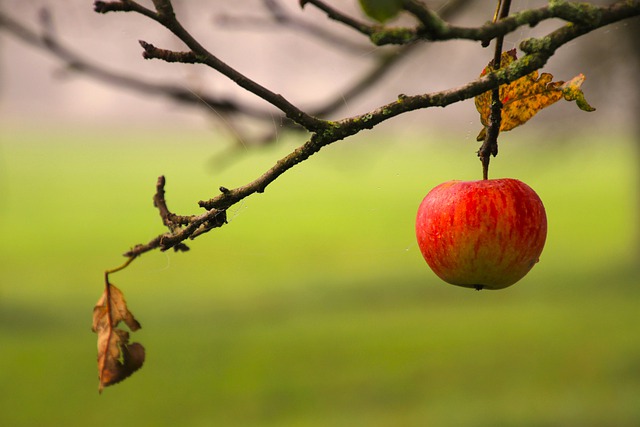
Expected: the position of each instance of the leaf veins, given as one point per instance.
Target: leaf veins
(524, 98)
(117, 358)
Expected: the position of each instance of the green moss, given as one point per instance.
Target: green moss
(514, 70)
(533, 45)
(328, 132)
(392, 36)
(579, 13)
(529, 17)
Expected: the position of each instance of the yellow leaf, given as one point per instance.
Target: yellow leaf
(523, 98)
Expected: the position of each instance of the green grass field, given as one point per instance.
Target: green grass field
(313, 306)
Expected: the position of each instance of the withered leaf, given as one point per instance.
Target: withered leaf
(117, 358)
(524, 98)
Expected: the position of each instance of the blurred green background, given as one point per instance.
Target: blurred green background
(313, 306)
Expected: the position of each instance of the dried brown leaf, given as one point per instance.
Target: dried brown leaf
(117, 358)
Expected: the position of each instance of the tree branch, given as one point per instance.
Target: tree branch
(434, 28)
(538, 52)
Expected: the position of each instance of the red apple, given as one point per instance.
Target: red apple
(481, 234)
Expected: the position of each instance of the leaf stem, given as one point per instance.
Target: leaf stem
(115, 270)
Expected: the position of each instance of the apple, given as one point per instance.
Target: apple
(483, 234)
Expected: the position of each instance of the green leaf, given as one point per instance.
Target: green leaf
(381, 10)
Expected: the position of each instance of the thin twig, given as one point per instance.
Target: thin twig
(123, 6)
(338, 16)
(116, 269)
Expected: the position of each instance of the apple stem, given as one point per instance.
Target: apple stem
(490, 145)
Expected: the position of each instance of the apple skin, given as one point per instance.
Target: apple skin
(483, 234)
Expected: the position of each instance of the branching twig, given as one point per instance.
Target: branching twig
(180, 227)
